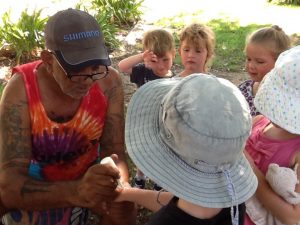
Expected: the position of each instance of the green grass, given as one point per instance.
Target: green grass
(230, 43)
(1, 89)
(230, 39)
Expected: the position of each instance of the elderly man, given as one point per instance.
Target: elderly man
(59, 116)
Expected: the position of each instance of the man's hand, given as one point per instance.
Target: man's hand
(98, 185)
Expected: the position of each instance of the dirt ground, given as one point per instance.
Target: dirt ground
(130, 88)
(234, 77)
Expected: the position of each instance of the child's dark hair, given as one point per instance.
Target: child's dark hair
(273, 38)
(159, 41)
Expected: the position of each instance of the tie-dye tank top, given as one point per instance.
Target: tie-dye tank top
(61, 151)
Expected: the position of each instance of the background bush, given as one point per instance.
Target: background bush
(113, 16)
(25, 37)
(285, 2)
(119, 12)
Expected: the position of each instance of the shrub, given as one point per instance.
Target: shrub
(285, 2)
(109, 30)
(112, 16)
(25, 37)
(120, 12)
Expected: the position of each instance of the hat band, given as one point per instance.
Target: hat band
(205, 167)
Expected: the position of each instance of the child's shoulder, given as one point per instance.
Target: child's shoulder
(246, 84)
(140, 69)
(259, 118)
(140, 65)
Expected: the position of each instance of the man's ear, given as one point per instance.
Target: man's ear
(47, 57)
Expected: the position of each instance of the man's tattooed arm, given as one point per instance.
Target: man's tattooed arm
(17, 189)
(112, 140)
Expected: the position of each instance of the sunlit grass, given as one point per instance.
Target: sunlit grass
(230, 44)
(1, 88)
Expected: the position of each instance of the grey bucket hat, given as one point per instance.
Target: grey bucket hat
(188, 136)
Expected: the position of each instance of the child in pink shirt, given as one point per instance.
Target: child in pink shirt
(275, 134)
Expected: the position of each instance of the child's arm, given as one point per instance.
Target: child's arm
(128, 63)
(282, 210)
(152, 200)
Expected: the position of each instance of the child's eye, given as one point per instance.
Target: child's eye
(186, 49)
(259, 61)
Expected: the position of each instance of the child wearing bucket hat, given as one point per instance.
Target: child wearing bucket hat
(275, 136)
(190, 141)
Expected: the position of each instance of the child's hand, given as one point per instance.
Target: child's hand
(149, 58)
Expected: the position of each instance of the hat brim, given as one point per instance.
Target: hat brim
(157, 161)
(79, 59)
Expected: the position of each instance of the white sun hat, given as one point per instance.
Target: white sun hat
(278, 96)
(188, 136)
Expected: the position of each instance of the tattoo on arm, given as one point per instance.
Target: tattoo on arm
(31, 187)
(111, 93)
(113, 134)
(115, 91)
(14, 164)
(14, 135)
